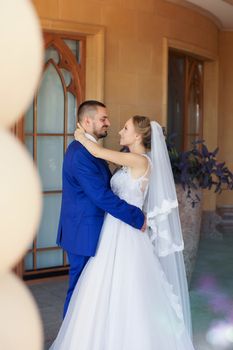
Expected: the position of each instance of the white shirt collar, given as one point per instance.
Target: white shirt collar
(90, 137)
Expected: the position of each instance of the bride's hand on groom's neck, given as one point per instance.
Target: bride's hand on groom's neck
(79, 132)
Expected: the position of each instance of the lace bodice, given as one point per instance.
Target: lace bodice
(131, 190)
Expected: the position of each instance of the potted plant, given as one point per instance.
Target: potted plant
(195, 170)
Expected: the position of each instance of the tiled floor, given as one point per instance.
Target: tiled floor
(50, 297)
(211, 295)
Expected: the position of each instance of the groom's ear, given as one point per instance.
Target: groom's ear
(85, 120)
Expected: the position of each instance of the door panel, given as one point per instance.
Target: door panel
(48, 128)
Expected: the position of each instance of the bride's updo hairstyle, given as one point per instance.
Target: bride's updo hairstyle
(142, 126)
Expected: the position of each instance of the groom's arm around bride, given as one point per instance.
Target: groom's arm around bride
(87, 196)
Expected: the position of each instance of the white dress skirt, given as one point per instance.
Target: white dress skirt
(122, 300)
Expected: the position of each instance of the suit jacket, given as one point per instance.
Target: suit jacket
(85, 199)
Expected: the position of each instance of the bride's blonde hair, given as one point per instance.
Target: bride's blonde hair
(143, 127)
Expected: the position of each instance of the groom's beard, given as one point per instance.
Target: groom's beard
(100, 134)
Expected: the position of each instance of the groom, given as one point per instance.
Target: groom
(87, 196)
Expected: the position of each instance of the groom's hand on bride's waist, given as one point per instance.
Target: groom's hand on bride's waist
(143, 229)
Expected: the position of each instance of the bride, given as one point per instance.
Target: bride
(133, 294)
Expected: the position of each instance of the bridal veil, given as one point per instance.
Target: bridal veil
(164, 222)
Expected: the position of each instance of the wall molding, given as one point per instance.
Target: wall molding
(94, 51)
(200, 10)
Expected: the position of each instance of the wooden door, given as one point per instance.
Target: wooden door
(47, 129)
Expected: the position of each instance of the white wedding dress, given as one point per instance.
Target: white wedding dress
(122, 300)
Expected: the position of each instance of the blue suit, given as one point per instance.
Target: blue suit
(85, 199)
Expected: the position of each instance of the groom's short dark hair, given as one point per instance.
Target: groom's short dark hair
(88, 107)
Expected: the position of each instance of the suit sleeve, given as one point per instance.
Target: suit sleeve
(91, 180)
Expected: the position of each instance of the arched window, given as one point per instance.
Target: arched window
(48, 129)
(185, 99)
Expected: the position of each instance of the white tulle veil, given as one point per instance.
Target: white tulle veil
(165, 231)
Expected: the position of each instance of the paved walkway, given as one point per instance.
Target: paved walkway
(211, 295)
